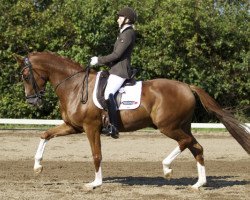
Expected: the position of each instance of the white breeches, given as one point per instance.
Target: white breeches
(113, 84)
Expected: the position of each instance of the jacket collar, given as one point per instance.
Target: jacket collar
(126, 26)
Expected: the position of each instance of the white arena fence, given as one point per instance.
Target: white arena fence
(5, 121)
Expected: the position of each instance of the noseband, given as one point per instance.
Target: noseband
(38, 94)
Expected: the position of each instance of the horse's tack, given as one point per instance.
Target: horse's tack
(86, 82)
(38, 94)
(127, 97)
(69, 77)
(102, 83)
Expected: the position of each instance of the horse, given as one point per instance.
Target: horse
(166, 105)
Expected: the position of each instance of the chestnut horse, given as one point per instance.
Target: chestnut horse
(167, 105)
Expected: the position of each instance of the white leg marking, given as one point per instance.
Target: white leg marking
(168, 160)
(97, 182)
(39, 156)
(202, 180)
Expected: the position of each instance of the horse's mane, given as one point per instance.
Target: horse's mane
(49, 53)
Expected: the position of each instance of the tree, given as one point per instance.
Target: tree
(205, 43)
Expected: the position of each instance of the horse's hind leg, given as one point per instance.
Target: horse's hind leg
(185, 141)
(168, 160)
(197, 151)
(45, 137)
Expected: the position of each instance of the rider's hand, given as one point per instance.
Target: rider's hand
(94, 60)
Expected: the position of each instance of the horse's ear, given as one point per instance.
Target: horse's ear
(18, 58)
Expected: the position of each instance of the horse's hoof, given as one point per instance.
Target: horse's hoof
(198, 185)
(38, 170)
(168, 173)
(91, 186)
(195, 188)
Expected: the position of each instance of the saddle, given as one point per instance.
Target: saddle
(102, 83)
(127, 97)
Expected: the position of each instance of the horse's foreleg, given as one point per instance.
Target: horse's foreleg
(39, 155)
(95, 143)
(45, 137)
(97, 182)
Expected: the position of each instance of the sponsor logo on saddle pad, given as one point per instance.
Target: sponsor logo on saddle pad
(130, 95)
(129, 102)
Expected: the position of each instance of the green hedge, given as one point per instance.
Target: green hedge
(205, 43)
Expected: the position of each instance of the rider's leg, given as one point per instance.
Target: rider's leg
(113, 117)
(113, 84)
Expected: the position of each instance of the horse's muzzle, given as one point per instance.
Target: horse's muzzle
(35, 100)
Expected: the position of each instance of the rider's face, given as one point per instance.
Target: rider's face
(120, 20)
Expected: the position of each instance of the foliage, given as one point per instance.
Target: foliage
(205, 43)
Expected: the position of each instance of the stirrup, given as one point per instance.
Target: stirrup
(105, 131)
(113, 131)
(110, 130)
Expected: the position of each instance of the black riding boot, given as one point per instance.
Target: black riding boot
(113, 117)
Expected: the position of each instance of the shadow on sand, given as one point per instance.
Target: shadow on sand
(214, 182)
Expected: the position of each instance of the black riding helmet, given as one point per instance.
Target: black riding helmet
(128, 13)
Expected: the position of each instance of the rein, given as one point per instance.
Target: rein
(67, 79)
(86, 82)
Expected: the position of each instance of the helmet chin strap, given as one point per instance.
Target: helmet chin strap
(123, 23)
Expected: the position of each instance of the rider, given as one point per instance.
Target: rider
(119, 61)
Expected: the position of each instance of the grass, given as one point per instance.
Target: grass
(24, 127)
(45, 127)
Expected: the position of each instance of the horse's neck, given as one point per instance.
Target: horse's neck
(76, 89)
(58, 75)
(61, 73)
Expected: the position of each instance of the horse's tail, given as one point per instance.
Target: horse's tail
(239, 131)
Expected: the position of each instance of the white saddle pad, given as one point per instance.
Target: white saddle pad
(130, 99)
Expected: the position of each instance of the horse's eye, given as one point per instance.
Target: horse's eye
(25, 75)
(26, 78)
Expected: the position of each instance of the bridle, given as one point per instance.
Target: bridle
(38, 93)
